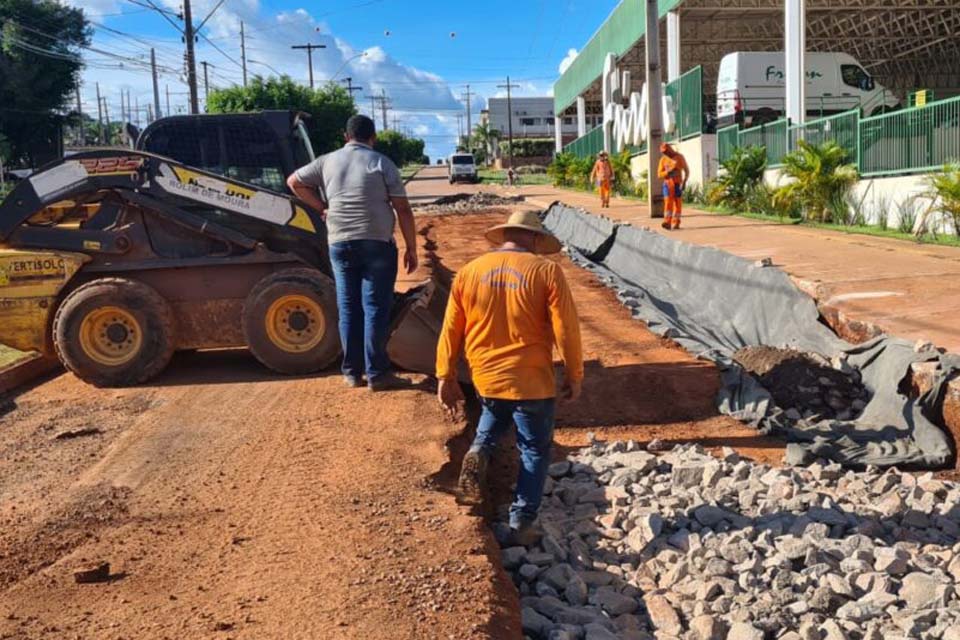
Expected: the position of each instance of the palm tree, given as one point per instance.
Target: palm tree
(485, 136)
(822, 175)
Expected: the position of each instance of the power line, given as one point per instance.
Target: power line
(309, 47)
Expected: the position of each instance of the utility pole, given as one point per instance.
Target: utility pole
(167, 87)
(459, 128)
(136, 108)
(156, 87)
(189, 37)
(350, 87)
(81, 139)
(468, 95)
(149, 113)
(206, 83)
(508, 87)
(383, 106)
(654, 109)
(373, 107)
(99, 113)
(106, 114)
(243, 53)
(123, 107)
(309, 47)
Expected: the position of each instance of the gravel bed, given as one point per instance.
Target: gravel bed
(469, 203)
(690, 546)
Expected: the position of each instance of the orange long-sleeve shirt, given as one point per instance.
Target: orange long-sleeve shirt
(507, 309)
(675, 167)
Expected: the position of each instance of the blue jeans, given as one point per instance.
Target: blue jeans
(365, 272)
(534, 421)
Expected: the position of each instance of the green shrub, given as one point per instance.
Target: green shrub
(530, 169)
(759, 199)
(529, 147)
(944, 190)
(821, 174)
(742, 171)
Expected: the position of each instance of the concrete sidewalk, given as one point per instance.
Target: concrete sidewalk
(906, 289)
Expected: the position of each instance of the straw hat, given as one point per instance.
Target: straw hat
(528, 221)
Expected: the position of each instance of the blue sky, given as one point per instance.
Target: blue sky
(420, 53)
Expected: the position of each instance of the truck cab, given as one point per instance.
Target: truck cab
(260, 148)
(463, 168)
(751, 87)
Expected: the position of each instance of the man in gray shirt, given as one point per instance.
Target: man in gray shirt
(360, 192)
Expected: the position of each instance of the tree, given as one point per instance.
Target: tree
(329, 107)
(399, 148)
(821, 175)
(485, 137)
(39, 68)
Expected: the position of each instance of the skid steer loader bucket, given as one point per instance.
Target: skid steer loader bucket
(415, 329)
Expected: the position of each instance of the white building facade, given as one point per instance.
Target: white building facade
(532, 118)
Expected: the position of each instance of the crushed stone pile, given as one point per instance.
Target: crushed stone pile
(470, 203)
(688, 546)
(806, 386)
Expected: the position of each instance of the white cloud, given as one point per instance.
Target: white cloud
(423, 101)
(568, 60)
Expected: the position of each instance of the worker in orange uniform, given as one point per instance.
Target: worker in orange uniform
(507, 310)
(674, 172)
(602, 176)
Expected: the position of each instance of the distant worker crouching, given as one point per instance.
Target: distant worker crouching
(674, 172)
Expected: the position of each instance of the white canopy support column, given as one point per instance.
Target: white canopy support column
(794, 47)
(558, 133)
(673, 46)
(581, 116)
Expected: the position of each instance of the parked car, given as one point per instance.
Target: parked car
(463, 168)
(751, 89)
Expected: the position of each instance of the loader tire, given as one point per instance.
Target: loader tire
(114, 332)
(290, 321)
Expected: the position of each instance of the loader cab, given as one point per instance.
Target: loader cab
(261, 148)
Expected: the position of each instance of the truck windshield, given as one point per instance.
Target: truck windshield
(462, 159)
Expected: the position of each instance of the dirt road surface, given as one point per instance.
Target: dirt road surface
(234, 503)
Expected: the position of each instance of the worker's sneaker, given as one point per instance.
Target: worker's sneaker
(473, 476)
(352, 381)
(675, 224)
(388, 382)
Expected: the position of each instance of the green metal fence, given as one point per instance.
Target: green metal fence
(728, 139)
(842, 128)
(772, 136)
(914, 140)
(917, 139)
(687, 96)
(589, 144)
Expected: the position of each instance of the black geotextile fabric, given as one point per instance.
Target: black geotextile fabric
(714, 303)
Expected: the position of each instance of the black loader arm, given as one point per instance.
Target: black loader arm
(202, 200)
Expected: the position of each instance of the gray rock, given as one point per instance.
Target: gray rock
(576, 591)
(892, 560)
(559, 469)
(709, 515)
(613, 602)
(533, 623)
(706, 627)
(596, 631)
(647, 527)
(923, 591)
(744, 631)
(662, 615)
(687, 475)
(512, 557)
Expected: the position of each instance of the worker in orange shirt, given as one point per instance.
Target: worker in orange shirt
(674, 172)
(602, 176)
(507, 310)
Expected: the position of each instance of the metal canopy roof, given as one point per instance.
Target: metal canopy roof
(904, 44)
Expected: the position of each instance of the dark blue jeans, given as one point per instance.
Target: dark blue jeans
(365, 272)
(534, 420)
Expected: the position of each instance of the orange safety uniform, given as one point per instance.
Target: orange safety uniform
(506, 310)
(602, 176)
(673, 171)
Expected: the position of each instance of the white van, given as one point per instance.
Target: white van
(750, 87)
(462, 167)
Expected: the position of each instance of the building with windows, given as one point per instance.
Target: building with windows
(533, 117)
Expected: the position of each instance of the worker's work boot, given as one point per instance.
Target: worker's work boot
(666, 223)
(473, 477)
(352, 381)
(525, 534)
(388, 382)
(675, 224)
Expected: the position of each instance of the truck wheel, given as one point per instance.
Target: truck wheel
(290, 321)
(114, 332)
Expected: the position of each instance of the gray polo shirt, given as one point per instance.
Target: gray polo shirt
(357, 183)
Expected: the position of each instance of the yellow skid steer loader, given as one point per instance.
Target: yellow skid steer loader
(111, 260)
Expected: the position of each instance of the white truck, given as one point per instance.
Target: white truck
(462, 168)
(751, 90)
